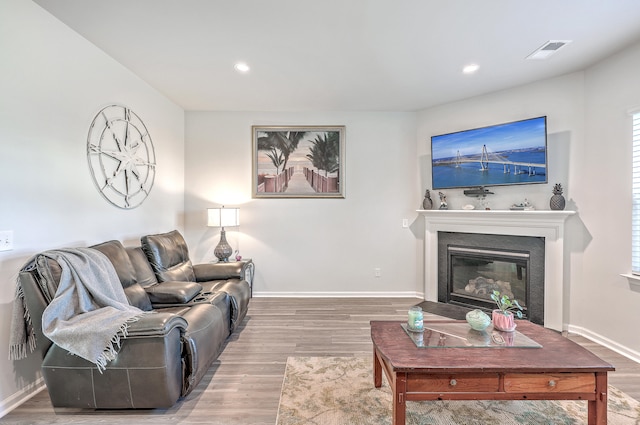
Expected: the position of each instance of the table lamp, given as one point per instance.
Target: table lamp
(223, 217)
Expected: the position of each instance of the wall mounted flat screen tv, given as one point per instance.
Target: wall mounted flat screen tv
(497, 155)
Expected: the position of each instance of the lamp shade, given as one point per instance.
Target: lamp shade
(223, 217)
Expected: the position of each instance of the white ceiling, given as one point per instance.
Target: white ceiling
(315, 55)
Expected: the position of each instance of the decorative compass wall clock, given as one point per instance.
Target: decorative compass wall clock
(121, 156)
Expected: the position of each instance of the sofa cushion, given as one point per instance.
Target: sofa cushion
(239, 293)
(204, 341)
(173, 292)
(116, 253)
(169, 256)
(144, 272)
(49, 271)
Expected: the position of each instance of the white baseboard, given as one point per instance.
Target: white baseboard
(406, 294)
(15, 400)
(606, 342)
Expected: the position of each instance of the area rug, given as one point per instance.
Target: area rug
(340, 391)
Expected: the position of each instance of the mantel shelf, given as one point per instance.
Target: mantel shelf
(552, 214)
(506, 218)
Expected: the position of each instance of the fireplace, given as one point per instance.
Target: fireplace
(471, 266)
(548, 225)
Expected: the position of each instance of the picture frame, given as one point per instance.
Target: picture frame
(298, 161)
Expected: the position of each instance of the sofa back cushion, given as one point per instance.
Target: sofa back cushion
(49, 273)
(169, 256)
(116, 253)
(144, 273)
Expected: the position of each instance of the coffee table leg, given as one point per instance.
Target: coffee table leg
(598, 407)
(377, 369)
(399, 402)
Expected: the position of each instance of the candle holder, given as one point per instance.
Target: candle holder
(415, 321)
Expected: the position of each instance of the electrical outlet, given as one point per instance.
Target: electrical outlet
(6, 240)
(405, 222)
(377, 272)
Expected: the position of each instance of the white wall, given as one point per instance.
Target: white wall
(603, 303)
(311, 247)
(53, 83)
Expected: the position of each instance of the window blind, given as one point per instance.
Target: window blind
(635, 214)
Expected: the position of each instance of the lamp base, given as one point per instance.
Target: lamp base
(223, 251)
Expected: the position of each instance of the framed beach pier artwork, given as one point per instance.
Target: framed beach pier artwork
(298, 161)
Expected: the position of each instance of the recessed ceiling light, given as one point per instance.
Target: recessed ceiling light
(242, 67)
(471, 68)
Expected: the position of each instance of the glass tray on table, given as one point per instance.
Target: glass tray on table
(443, 335)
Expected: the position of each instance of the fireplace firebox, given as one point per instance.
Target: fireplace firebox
(472, 266)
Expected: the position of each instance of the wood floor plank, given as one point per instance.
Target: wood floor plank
(243, 386)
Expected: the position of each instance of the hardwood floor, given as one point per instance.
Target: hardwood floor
(243, 385)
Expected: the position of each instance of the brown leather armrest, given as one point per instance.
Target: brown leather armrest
(217, 271)
(155, 324)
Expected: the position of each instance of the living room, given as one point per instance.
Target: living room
(56, 81)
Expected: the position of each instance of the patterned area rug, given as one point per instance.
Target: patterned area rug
(340, 391)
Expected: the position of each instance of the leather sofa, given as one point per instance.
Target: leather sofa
(165, 354)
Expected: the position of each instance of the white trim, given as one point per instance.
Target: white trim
(635, 192)
(606, 342)
(633, 110)
(16, 399)
(634, 281)
(407, 294)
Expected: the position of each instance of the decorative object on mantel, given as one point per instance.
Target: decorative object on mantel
(557, 201)
(523, 206)
(480, 193)
(502, 317)
(427, 203)
(478, 320)
(468, 207)
(483, 202)
(443, 201)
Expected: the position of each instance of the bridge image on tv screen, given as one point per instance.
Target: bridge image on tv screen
(503, 154)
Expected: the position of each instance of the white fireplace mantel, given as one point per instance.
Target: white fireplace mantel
(546, 224)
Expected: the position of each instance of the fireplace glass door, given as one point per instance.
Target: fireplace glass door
(474, 274)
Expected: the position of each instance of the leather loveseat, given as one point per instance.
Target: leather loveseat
(165, 354)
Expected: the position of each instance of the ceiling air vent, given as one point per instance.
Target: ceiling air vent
(548, 49)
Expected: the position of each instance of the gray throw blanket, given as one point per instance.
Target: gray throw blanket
(88, 314)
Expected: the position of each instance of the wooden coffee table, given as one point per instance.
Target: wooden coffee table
(560, 370)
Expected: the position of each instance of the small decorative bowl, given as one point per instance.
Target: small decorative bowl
(478, 320)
